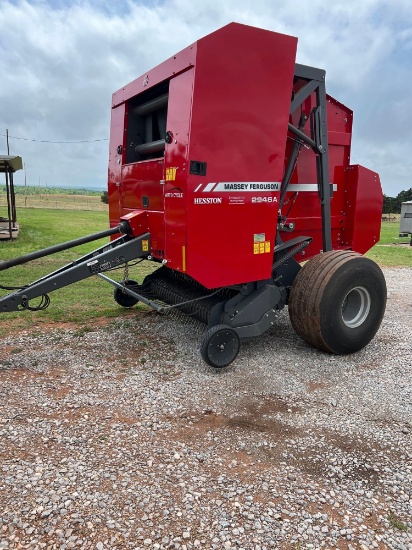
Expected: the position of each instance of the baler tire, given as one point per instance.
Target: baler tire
(220, 346)
(123, 299)
(337, 301)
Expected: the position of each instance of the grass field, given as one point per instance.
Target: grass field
(390, 251)
(79, 303)
(92, 298)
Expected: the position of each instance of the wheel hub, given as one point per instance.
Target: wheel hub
(220, 346)
(356, 307)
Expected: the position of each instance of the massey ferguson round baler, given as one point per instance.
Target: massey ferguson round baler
(229, 167)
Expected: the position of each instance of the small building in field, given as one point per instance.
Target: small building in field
(405, 228)
(9, 227)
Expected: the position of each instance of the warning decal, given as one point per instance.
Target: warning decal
(171, 173)
(261, 247)
(145, 245)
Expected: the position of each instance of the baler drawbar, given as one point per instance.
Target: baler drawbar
(229, 170)
(109, 256)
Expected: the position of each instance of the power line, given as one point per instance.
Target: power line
(48, 141)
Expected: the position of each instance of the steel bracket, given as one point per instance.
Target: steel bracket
(314, 83)
(255, 313)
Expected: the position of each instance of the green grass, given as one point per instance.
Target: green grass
(396, 523)
(394, 255)
(40, 228)
(41, 190)
(78, 303)
(92, 299)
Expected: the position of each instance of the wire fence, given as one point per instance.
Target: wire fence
(391, 217)
(56, 202)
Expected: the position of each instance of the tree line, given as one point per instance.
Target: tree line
(392, 205)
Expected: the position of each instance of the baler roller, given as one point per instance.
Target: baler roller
(150, 147)
(174, 294)
(152, 105)
(177, 289)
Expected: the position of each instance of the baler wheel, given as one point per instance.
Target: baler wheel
(220, 346)
(337, 301)
(123, 299)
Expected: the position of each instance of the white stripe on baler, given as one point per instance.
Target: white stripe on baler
(306, 187)
(209, 187)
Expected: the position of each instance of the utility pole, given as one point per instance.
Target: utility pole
(7, 141)
(25, 186)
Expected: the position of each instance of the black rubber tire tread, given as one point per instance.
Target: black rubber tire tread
(204, 347)
(305, 290)
(303, 293)
(317, 294)
(123, 299)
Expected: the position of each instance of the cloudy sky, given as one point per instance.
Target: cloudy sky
(60, 61)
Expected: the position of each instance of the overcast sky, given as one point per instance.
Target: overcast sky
(60, 62)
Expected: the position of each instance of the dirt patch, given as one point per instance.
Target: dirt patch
(315, 386)
(350, 457)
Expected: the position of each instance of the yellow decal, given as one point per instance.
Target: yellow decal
(183, 258)
(261, 248)
(171, 173)
(145, 245)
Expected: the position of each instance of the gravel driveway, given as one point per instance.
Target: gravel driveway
(119, 436)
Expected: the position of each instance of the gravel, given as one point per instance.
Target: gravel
(119, 436)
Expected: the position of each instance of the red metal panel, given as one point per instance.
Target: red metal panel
(364, 201)
(141, 181)
(115, 160)
(339, 138)
(138, 221)
(241, 98)
(169, 68)
(176, 169)
(157, 234)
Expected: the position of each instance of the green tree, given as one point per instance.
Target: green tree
(105, 197)
(405, 196)
(388, 205)
(392, 205)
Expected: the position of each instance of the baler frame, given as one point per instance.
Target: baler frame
(129, 246)
(349, 288)
(315, 82)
